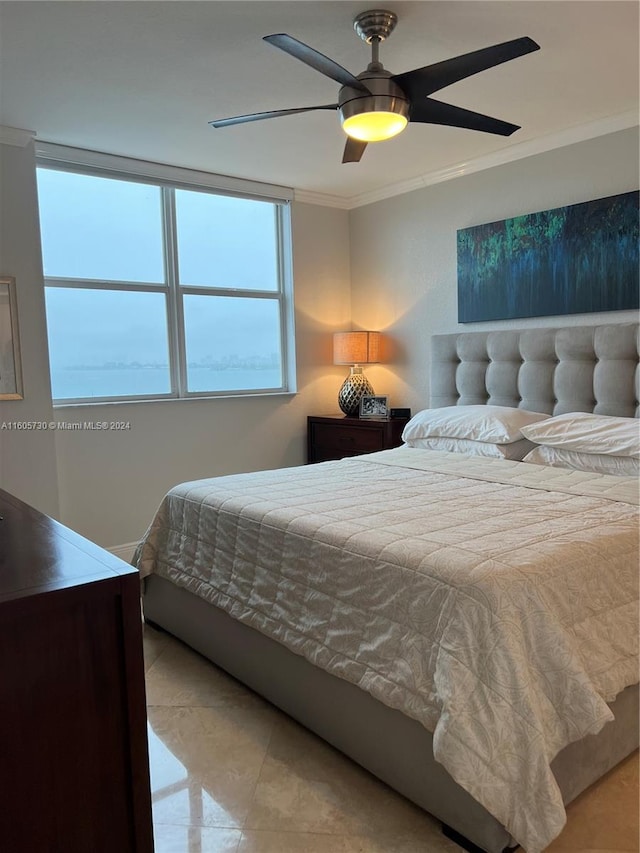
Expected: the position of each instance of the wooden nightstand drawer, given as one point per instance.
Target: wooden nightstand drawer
(345, 439)
(337, 437)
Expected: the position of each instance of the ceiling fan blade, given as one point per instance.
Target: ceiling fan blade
(226, 122)
(316, 60)
(435, 112)
(424, 81)
(353, 150)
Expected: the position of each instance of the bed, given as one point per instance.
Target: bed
(463, 627)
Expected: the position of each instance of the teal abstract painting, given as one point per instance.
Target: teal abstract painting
(571, 260)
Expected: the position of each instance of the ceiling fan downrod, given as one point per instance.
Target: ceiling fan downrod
(374, 27)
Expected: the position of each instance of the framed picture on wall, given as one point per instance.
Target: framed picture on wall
(10, 367)
(569, 260)
(373, 407)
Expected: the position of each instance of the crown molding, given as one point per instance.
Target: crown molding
(569, 136)
(15, 136)
(540, 145)
(323, 199)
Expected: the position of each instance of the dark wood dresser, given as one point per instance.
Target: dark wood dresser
(337, 436)
(74, 766)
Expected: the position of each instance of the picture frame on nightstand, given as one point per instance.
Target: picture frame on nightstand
(373, 406)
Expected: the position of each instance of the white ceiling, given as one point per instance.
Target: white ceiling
(143, 78)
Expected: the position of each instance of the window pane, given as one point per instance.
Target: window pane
(226, 242)
(107, 343)
(232, 344)
(100, 228)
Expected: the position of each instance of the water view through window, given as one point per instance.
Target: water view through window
(114, 290)
(107, 343)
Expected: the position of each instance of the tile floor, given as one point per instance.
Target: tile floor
(232, 774)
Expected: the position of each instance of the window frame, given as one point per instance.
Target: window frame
(169, 179)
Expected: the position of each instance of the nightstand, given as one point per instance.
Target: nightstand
(337, 436)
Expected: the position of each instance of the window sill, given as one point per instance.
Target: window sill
(239, 396)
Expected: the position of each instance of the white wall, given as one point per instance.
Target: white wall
(403, 249)
(27, 458)
(110, 483)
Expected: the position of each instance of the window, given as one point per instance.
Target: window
(161, 290)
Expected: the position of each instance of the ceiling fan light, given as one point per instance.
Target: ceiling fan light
(374, 126)
(374, 117)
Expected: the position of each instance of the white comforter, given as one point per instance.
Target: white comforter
(493, 601)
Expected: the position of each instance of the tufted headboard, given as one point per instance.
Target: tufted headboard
(572, 369)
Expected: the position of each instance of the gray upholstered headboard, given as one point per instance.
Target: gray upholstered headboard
(572, 369)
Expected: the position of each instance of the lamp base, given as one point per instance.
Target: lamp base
(354, 387)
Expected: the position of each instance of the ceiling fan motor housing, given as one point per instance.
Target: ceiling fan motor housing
(386, 96)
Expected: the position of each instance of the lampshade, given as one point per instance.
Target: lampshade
(356, 347)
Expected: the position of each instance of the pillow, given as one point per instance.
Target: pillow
(587, 433)
(492, 424)
(515, 450)
(598, 463)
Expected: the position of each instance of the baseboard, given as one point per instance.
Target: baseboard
(125, 552)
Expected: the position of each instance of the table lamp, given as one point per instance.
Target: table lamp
(355, 348)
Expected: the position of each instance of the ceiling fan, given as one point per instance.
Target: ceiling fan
(377, 105)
